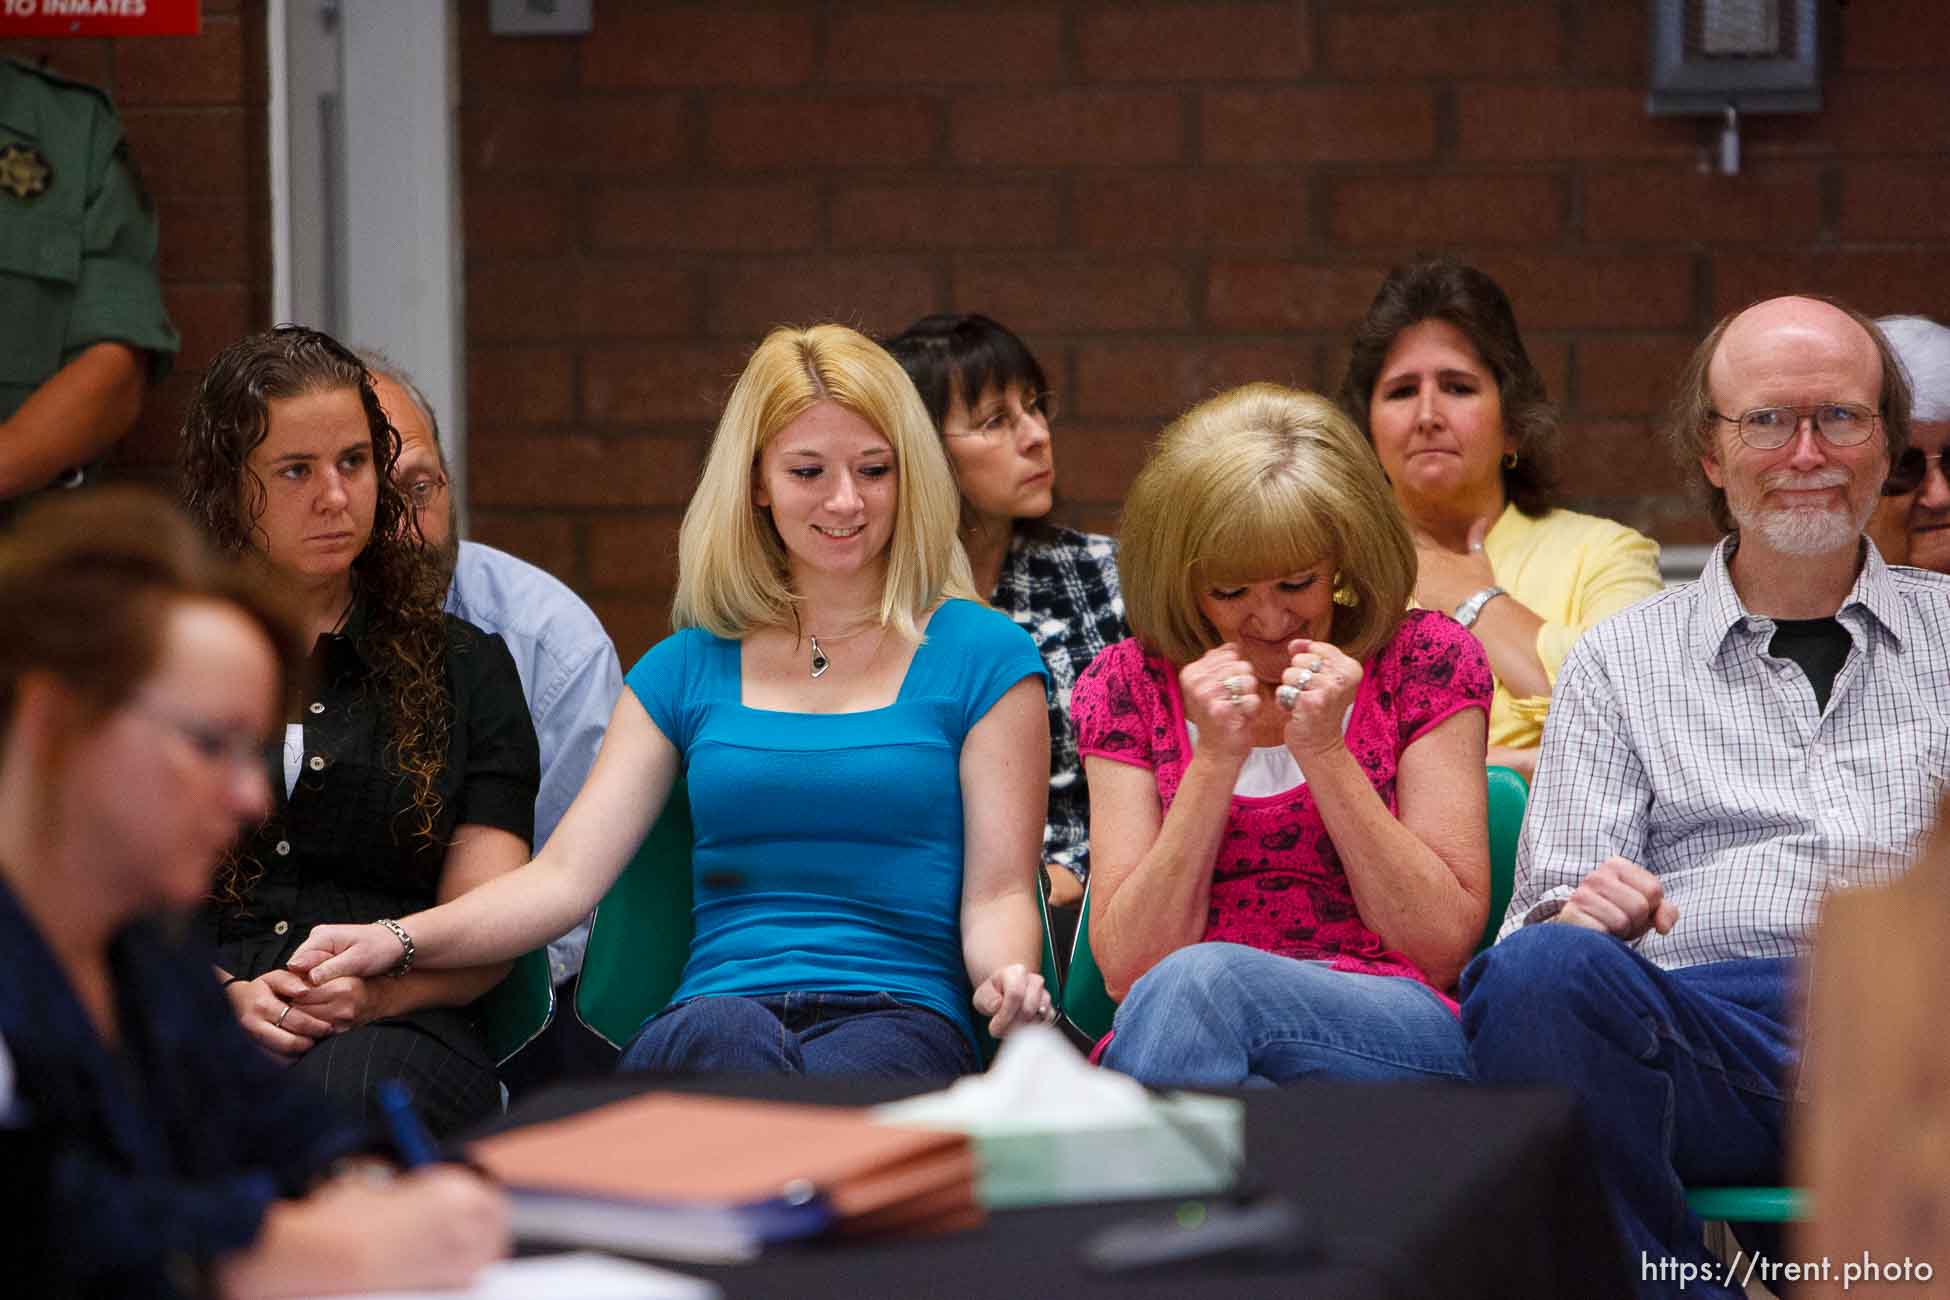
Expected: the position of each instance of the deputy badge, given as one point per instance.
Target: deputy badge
(24, 171)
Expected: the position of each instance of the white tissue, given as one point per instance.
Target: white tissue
(1050, 1128)
(1036, 1081)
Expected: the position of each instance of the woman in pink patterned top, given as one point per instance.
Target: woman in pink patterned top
(1288, 825)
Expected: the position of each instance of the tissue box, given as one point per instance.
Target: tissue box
(1195, 1149)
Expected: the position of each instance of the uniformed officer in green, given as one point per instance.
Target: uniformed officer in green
(82, 327)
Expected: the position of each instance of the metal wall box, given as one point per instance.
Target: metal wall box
(1754, 56)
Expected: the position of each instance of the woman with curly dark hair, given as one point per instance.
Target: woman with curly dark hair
(1440, 383)
(409, 764)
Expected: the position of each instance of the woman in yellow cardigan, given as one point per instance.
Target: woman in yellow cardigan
(1440, 383)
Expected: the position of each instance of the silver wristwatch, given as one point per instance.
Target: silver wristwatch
(1466, 612)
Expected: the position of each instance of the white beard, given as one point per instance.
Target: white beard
(1805, 530)
(1801, 530)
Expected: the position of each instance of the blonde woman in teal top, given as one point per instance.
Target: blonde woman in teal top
(867, 748)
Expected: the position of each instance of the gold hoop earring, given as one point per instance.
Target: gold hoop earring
(1509, 460)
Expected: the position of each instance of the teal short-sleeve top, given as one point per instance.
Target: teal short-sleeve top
(828, 847)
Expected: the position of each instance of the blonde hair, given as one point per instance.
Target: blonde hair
(1260, 482)
(731, 563)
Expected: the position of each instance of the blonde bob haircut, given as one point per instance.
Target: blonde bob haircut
(731, 563)
(1257, 483)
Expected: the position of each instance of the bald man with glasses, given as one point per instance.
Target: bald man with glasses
(1718, 759)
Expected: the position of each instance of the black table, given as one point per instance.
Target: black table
(1411, 1190)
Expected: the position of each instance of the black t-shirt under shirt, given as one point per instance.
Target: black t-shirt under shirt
(1818, 645)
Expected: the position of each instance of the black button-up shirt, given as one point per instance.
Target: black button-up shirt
(344, 846)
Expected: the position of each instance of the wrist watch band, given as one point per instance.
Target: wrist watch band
(1466, 612)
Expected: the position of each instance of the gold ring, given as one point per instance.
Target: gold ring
(279, 1022)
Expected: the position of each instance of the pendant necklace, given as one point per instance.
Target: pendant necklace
(821, 661)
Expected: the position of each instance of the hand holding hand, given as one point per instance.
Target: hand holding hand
(1014, 995)
(1317, 688)
(1621, 898)
(343, 1003)
(268, 1013)
(331, 952)
(1221, 696)
(1445, 578)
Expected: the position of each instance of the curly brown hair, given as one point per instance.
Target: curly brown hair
(1475, 304)
(400, 589)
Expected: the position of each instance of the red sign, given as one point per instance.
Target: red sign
(100, 18)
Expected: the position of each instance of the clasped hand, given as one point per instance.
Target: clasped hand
(1222, 698)
(333, 952)
(1013, 996)
(268, 1008)
(1619, 897)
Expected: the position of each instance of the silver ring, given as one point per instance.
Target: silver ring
(1302, 677)
(1319, 663)
(279, 1022)
(1288, 696)
(1236, 686)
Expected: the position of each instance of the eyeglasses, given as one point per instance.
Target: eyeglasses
(1001, 420)
(240, 751)
(1910, 469)
(1840, 424)
(422, 491)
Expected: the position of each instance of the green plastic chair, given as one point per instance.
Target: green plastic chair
(516, 1011)
(641, 935)
(1508, 795)
(1086, 1003)
(1089, 1007)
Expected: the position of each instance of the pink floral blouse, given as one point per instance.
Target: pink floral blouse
(1278, 884)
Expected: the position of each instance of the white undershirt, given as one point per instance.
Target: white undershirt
(1269, 769)
(294, 755)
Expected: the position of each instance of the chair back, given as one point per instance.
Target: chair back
(515, 1012)
(641, 934)
(1508, 794)
(1085, 1002)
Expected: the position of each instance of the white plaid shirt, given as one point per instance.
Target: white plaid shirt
(1676, 741)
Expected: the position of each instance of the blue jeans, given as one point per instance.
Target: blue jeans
(1681, 1073)
(801, 1033)
(1220, 1015)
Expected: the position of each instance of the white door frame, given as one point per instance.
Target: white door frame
(365, 197)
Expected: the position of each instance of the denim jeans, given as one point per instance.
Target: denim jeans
(801, 1033)
(1224, 1015)
(1682, 1073)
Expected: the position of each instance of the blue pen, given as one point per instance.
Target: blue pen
(411, 1141)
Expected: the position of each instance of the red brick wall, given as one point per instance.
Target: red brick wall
(1163, 198)
(193, 109)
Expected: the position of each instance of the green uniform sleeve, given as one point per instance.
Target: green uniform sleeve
(77, 236)
(118, 296)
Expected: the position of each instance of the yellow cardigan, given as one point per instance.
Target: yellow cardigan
(1571, 570)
